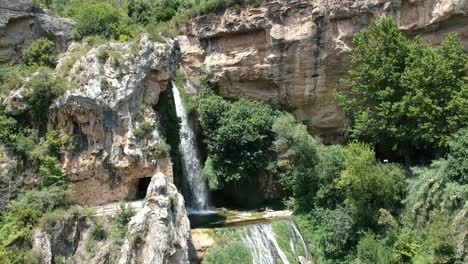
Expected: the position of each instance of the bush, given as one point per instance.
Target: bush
(329, 232)
(238, 136)
(457, 167)
(370, 185)
(12, 77)
(98, 19)
(43, 89)
(22, 215)
(372, 250)
(121, 220)
(297, 160)
(98, 232)
(40, 53)
(144, 130)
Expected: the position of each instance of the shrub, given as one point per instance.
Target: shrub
(329, 232)
(12, 77)
(22, 215)
(40, 53)
(98, 232)
(121, 220)
(43, 89)
(97, 19)
(297, 160)
(457, 167)
(161, 150)
(372, 250)
(370, 185)
(144, 130)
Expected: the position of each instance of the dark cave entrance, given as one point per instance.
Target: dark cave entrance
(142, 187)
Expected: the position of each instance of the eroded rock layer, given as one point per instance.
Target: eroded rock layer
(295, 52)
(158, 233)
(109, 111)
(21, 23)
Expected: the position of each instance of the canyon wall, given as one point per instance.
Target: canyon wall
(294, 52)
(21, 24)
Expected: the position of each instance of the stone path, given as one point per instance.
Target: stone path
(113, 208)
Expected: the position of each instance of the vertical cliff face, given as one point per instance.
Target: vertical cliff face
(109, 111)
(21, 23)
(295, 52)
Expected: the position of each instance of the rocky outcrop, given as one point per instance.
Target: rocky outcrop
(62, 239)
(21, 23)
(109, 111)
(295, 52)
(159, 233)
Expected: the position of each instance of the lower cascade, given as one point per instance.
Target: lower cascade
(192, 164)
(263, 243)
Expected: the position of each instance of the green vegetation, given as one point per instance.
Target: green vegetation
(40, 53)
(238, 136)
(125, 20)
(405, 96)
(228, 248)
(144, 130)
(121, 220)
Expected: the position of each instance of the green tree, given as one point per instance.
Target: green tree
(297, 160)
(404, 95)
(238, 136)
(370, 185)
(40, 53)
(43, 89)
(457, 160)
(100, 18)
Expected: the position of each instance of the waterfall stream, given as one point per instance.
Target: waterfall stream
(192, 165)
(265, 248)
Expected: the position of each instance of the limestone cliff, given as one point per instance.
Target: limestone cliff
(295, 52)
(21, 23)
(109, 111)
(157, 234)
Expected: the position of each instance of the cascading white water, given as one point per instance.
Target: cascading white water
(263, 245)
(261, 240)
(192, 166)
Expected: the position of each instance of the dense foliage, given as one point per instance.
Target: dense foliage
(405, 96)
(238, 135)
(40, 53)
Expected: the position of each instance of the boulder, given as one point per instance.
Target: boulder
(158, 233)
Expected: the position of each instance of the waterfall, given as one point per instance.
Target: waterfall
(192, 165)
(265, 249)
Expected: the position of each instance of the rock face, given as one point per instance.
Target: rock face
(21, 23)
(295, 52)
(157, 234)
(110, 112)
(65, 238)
(160, 231)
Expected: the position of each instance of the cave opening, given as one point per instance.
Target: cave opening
(143, 185)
